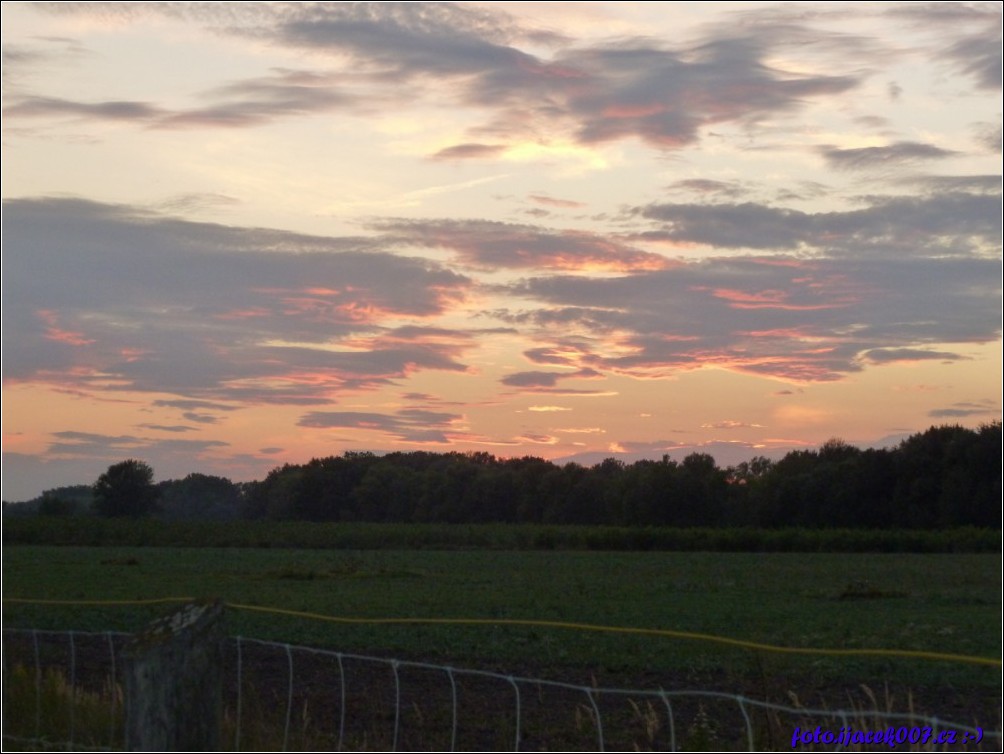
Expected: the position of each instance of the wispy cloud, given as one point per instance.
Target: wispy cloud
(407, 425)
(886, 355)
(550, 201)
(537, 379)
(878, 158)
(469, 152)
(940, 223)
(113, 110)
(96, 445)
(492, 244)
(179, 428)
(962, 409)
(709, 187)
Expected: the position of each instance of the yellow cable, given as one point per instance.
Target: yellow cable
(666, 632)
(918, 654)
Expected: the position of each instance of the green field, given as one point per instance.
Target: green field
(943, 603)
(949, 603)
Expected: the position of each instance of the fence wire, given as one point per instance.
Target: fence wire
(62, 691)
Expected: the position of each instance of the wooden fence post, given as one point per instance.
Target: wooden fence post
(174, 681)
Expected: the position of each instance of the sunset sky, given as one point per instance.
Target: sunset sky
(240, 235)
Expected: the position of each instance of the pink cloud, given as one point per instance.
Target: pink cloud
(56, 333)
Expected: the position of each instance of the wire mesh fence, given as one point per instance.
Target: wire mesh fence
(63, 690)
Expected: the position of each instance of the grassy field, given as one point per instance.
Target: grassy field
(940, 603)
(948, 603)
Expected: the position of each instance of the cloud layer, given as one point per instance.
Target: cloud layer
(114, 297)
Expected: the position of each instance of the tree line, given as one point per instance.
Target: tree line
(947, 476)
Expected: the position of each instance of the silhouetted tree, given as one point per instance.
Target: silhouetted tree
(199, 496)
(53, 505)
(126, 489)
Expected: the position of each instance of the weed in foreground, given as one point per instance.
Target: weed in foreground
(42, 710)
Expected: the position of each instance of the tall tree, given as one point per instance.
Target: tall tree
(126, 489)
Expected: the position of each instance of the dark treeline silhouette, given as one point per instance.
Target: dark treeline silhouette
(946, 476)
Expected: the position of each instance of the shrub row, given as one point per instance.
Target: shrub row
(91, 531)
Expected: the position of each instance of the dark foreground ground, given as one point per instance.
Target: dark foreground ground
(277, 697)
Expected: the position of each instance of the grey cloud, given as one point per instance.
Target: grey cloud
(95, 291)
(95, 445)
(194, 202)
(201, 418)
(551, 201)
(561, 354)
(112, 441)
(167, 427)
(745, 225)
(664, 97)
(980, 57)
(991, 138)
(241, 104)
(974, 184)
(944, 15)
(409, 425)
(254, 101)
(591, 93)
(485, 243)
(975, 53)
(801, 191)
(16, 54)
(873, 158)
(537, 439)
(379, 364)
(541, 379)
(708, 187)
(884, 355)
(434, 19)
(469, 151)
(943, 413)
(390, 44)
(638, 89)
(424, 397)
(187, 404)
(779, 316)
(946, 223)
(533, 379)
(873, 121)
(108, 110)
(20, 61)
(961, 409)
(408, 39)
